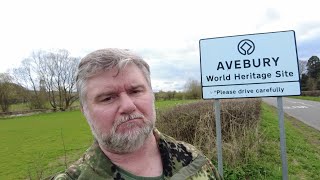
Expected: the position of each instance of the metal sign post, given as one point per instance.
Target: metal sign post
(218, 133)
(282, 140)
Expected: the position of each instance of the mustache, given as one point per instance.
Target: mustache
(126, 118)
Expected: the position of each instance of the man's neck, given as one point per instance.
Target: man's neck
(146, 161)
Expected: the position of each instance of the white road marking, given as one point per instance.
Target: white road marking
(295, 107)
(296, 102)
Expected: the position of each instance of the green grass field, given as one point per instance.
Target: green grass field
(32, 146)
(33, 143)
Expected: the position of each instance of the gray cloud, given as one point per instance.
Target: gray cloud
(173, 64)
(308, 40)
(270, 16)
(308, 48)
(172, 67)
(308, 27)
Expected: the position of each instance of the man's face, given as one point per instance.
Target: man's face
(120, 108)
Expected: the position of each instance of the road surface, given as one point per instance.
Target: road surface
(303, 110)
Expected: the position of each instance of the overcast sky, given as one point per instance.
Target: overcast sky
(166, 33)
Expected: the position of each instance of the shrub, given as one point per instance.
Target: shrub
(195, 124)
(315, 93)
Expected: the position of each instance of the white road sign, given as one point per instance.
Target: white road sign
(253, 65)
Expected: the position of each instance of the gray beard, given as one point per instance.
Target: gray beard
(122, 143)
(129, 141)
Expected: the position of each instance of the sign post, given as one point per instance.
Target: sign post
(282, 139)
(253, 65)
(219, 137)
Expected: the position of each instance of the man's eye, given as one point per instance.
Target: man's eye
(107, 99)
(136, 91)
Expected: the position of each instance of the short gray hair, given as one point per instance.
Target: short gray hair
(104, 60)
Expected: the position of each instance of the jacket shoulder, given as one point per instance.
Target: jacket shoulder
(197, 166)
(73, 171)
(89, 166)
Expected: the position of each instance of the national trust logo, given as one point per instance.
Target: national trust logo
(246, 47)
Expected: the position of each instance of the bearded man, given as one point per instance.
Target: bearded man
(117, 100)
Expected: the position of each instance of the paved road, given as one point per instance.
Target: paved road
(303, 110)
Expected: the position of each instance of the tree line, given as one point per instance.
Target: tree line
(192, 90)
(310, 74)
(45, 80)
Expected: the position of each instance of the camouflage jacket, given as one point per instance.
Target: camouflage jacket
(180, 161)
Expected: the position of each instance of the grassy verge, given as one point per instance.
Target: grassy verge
(302, 143)
(310, 98)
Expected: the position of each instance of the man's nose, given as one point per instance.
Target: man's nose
(127, 105)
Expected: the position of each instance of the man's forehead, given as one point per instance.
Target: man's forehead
(125, 85)
(126, 77)
(111, 80)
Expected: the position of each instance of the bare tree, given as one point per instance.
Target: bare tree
(27, 75)
(302, 67)
(52, 72)
(57, 71)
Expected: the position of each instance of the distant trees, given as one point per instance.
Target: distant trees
(310, 80)
(193, 89)
(50, 76)
(313, 67)
(302, 67)
(313, 73)
(6, 91)
(162, 95)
